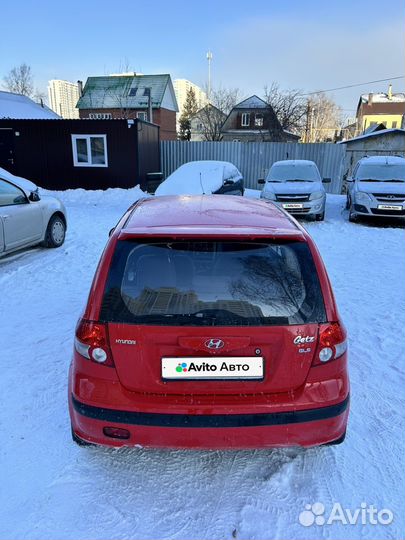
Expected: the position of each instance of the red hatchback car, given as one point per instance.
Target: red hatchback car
(210, 323)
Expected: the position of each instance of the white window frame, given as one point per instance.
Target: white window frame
(259, 120)
(78, 163)
(245, 116)
(144, 114)
(100, 116)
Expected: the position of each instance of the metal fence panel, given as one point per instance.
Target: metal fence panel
(254, 159)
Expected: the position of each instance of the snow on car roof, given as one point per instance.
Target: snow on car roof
(23, 183)
(198, 178)
(383, 160)
(293, 163)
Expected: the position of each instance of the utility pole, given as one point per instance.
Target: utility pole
(209, 58)
(307, 123)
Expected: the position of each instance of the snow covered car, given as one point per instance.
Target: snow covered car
(210, 323)
(203, 178)
(377, 188)
(26, 217)
(296, 185)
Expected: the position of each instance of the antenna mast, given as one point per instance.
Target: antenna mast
(209, 58)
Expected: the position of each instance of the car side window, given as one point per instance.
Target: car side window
(11, 195)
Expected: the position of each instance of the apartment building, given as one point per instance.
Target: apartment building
(63, 97)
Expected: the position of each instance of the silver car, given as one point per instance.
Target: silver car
(26, 217)
(296, 186)
(377, 188)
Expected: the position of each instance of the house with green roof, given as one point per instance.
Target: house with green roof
(130, 96)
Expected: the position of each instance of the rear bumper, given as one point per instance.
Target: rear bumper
(215, 427)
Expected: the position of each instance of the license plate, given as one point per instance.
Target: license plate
(389, 207)
(291, 206)
(237, 367)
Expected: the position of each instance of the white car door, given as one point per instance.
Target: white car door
(22, 220)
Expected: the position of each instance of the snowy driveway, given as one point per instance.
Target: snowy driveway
(50, 488)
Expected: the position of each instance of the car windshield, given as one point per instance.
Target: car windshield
(217, 283)
(293, 173)
(384, 172)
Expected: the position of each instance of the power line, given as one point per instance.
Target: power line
(352, 85)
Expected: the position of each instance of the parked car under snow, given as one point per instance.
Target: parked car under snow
(203, 178)
(26, 217)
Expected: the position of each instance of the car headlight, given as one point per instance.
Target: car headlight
(268, 195)
(360, 196)
(316, 195)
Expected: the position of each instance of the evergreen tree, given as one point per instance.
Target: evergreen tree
(189, 109)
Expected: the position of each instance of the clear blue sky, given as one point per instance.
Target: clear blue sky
(308, 44)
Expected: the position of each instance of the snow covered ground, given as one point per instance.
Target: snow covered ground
(51, 488)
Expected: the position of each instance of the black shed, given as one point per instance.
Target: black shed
(90, 154)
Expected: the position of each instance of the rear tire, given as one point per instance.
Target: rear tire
(55, 232)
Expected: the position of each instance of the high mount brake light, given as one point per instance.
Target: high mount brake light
(91, 342)
(332, 343)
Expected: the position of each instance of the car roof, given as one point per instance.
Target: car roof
(294, 163)
(206, 163)
(212, 215)
(26, 185)
(383, 160)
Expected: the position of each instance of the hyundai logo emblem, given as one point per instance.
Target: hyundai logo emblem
(214, 343)
(390, 196)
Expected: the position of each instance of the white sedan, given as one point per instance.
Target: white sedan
(26, 217)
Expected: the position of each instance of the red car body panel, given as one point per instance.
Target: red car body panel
(296, 403)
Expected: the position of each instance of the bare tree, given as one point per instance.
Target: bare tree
(323, 119)
(289, 105)
(211, 117)
(19, 80)
(209, 121)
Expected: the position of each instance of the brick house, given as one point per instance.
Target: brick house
(253, 120)
(131, 96)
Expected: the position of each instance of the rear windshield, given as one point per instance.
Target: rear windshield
(381, 172)
(196, 283)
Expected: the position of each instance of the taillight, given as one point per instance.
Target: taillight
(91, 342)
(332, 343)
